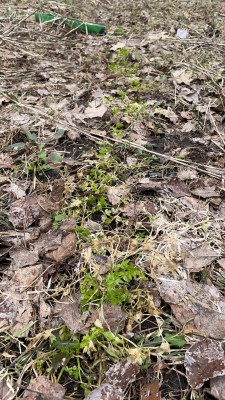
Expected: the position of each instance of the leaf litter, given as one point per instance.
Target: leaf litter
(112, 203)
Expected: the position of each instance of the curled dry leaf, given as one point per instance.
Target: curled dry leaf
(65, 250)
(200, 257)
(24, 212)
(204, 360)
(217, 386)
(44, 388)
(106, 392)
(200, 308)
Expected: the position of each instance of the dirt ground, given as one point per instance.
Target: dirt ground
(112, 273)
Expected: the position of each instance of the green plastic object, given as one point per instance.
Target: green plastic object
(80, 26)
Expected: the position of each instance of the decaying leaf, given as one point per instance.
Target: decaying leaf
(6, 391)
(148, 184)
(122, 374)
(188, 127)
(198, 307)
(206, 192)
(182, 76)
(171, 115)
(187, 173)
(109, 317)
(133, 209)
(151, 391)
(95, 110)
(200, 257)
(22, 257)
(106, 392)
(117, 193)
(217, 386)
(65, 250)
(177, 188)
(44, 388)
(24, 212)
(204, 360)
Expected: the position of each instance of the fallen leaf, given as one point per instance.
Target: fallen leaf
(148, 184)
(177, 188)
(22, 257)
(106, 392)
(6, 391)
(190, 95)
(44, 388)
(133, 209)
(151, 391)
(189, 127)
(117, 193)
(24, 212)
(206, 192)
(26, 278)
(204, 360)
(198, 307)
(65, 250)
(186, 173)
(122, 374)
(182, 76)
(117, 46)
(167, 114)
(217, 386)
(109, 317)
(16, 190)
(94, 110)
(200, 257)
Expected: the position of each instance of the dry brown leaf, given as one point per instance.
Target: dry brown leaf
(117, 46)
(17, 191)
(204, 360)
(27, 277)
(182, 76)
(186, 173)
(7, 312)
(151, 391)
(6, 391)
(177, 188)
(188, 127)
(94, 110)
(167, 113)
(200, 308)
(206, 192)
(22, 257)
(217, 386)
(65, 250)
(117, 193)
(122, 374)
(109, 317)
(41, 386)
(133, 209)
(106, 392)
(148, 184)
(200, 257)
(24, 212)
